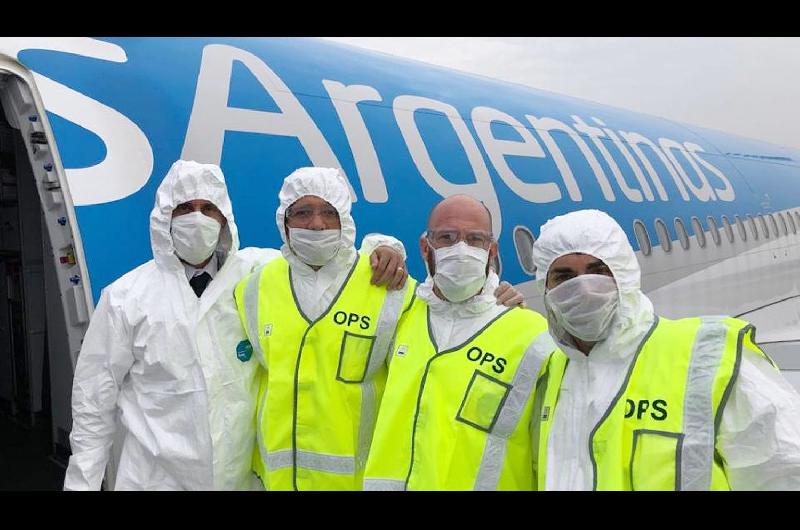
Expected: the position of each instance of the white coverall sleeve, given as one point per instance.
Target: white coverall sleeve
(759, 433)
(256, 257)
(105, 359)
(375, 240)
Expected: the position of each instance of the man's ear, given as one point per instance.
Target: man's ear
(425, 251)
(492, 257)
(423, 247)
(493, 250)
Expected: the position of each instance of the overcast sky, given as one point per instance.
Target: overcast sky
(744, 85)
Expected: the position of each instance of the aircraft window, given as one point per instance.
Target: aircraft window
(714, 229)
(791, 222)
(774, 225)
(680, 229)
(783, 224)
(728, 228)
(753, 229)
(698, 232)
(641, 236)
(740, 226)
(523, 243)
(663, 235)
(764, 227)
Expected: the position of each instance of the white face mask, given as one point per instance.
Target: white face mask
(315, 247)
(460, 270)
(583, 306)
(195, 237)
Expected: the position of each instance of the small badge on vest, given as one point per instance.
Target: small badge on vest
(268, 330)
(402, 350)
(244, 351)
(545, 412)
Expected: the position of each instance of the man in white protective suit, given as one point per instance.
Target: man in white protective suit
(640, 402)
(165, 359)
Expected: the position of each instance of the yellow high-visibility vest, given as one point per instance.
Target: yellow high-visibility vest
(459, 419)
(659, 431)
(323, 379)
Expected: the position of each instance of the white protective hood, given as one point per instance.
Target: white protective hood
(595, 233)
(328, 184)
(165, 364)
(186, 181)
(757, 436)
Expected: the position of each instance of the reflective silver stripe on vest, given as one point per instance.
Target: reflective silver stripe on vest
(262, 444)
(366, 426)
(521, 388)
(384, 484)
(341, 465)
(251, 313)
(279, 459)
(697, 454)
(384, 331)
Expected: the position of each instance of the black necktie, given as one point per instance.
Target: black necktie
(199, 283)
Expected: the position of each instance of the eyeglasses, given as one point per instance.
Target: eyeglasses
(448, 238)
(187, 207)
(306, 213)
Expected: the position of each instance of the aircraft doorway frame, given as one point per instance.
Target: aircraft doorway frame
(67, 291)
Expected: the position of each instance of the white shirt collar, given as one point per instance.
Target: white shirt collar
(211, 268)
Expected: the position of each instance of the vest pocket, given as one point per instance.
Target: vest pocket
(354, 357)
(482, 401)
(655, 460)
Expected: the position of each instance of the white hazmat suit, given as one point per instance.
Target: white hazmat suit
(166, 362)
(453, 323)
(316, 289)
(759, 435)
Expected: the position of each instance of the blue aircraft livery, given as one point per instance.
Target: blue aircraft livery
(405, 134)
(90, 126)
